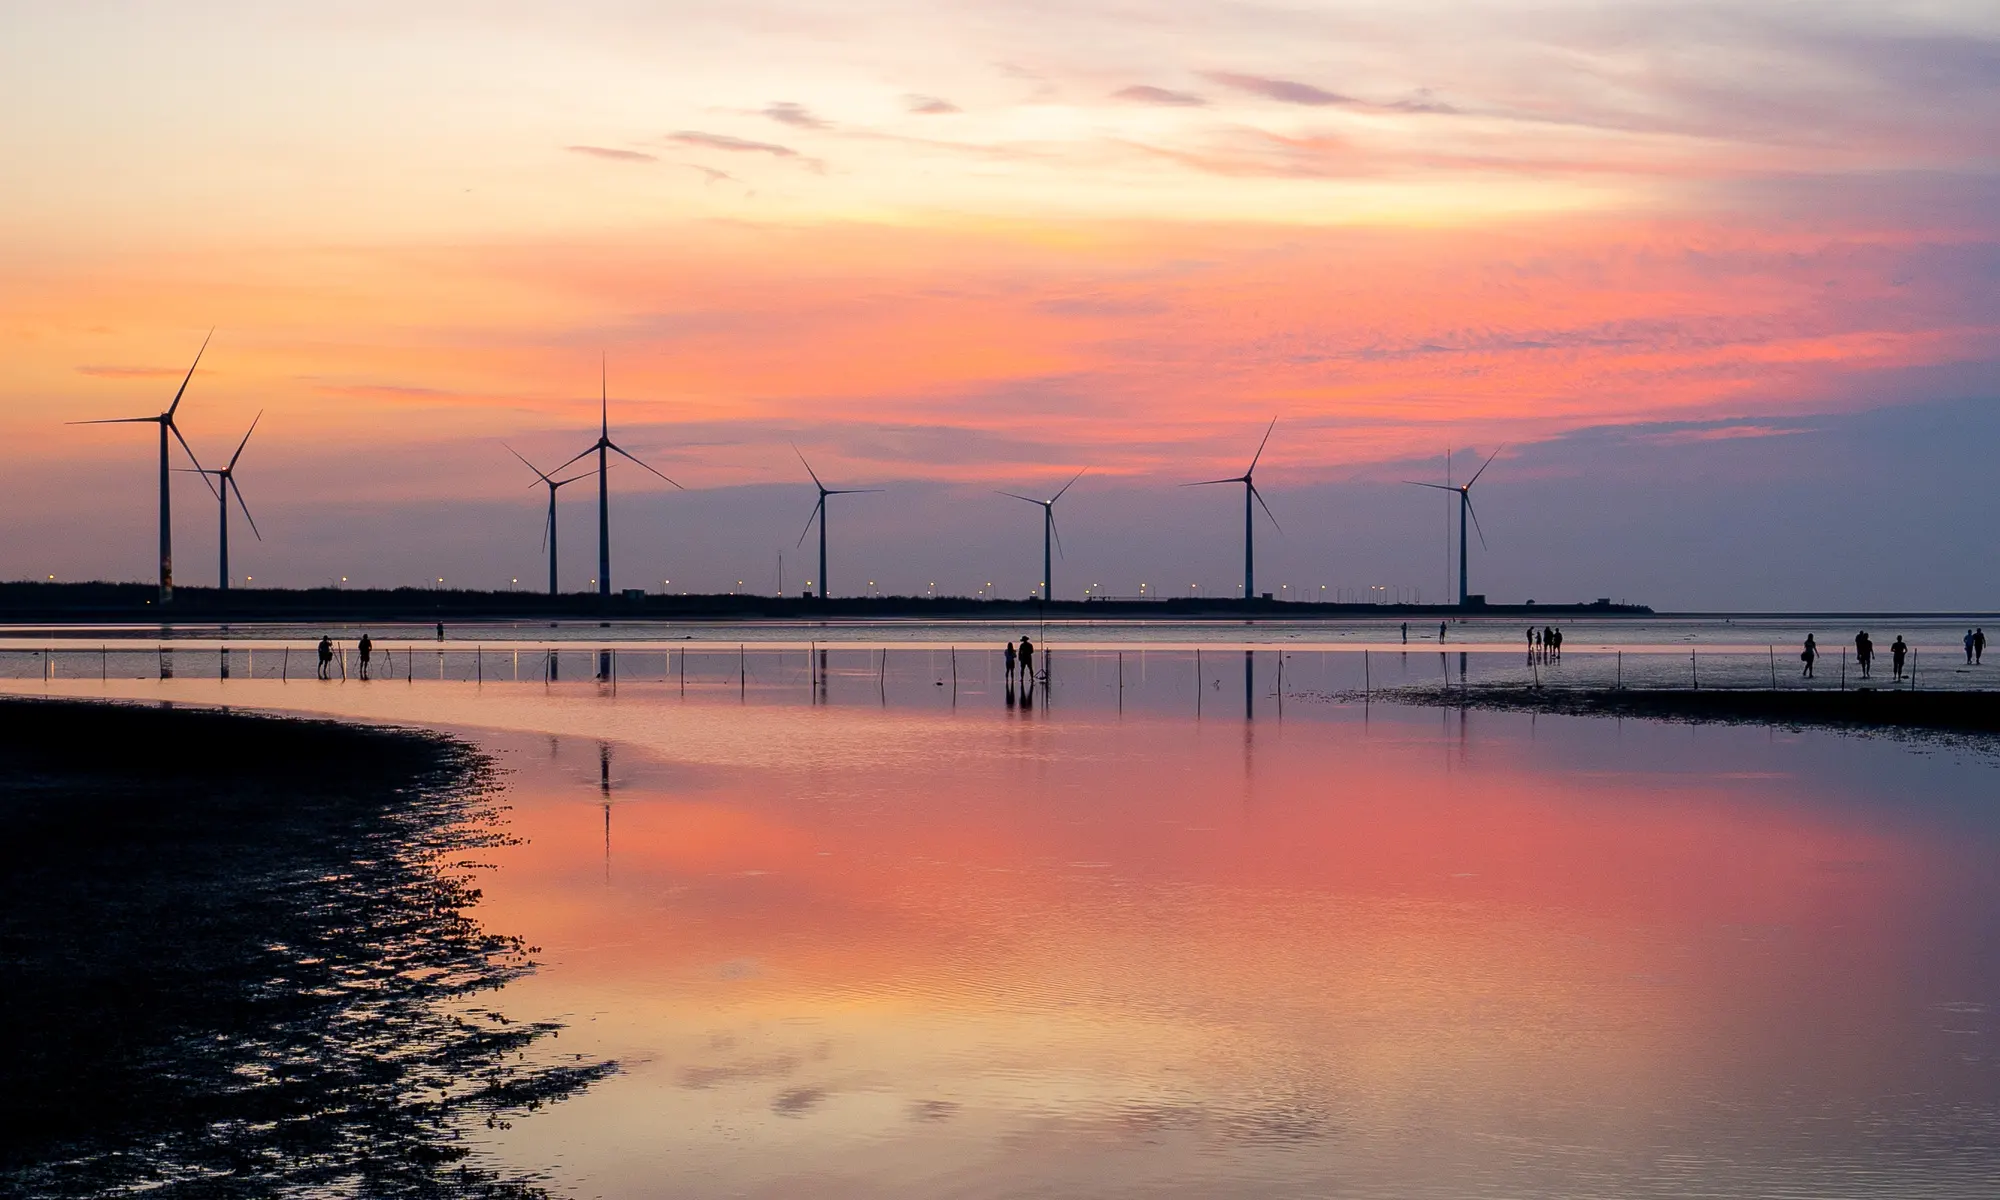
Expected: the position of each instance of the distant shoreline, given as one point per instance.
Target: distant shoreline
(65, 602)
(1960, 712)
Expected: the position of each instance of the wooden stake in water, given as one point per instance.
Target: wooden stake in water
(1774, 666)
(742, 673)
(1694, 672)
(1843, 668)
(1367, 679)
(285, 669)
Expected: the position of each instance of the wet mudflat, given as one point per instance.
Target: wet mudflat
(847, 938)
(240, 959)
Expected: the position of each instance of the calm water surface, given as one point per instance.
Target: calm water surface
(906, 949)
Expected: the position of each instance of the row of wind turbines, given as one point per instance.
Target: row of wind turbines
(222, 483)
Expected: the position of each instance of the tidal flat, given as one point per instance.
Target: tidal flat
(241, 959)
(877, 925)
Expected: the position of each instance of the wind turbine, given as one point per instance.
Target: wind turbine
(225, 480)
(166, 423)
(819, 510)
(549, 526)
(1465, 511)
(1048, 530)
(601, 448)
(1250, 492)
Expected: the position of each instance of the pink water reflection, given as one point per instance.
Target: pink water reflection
(855, 952)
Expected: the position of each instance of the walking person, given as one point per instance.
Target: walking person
(1978, 645)
(1896, 652)
(367, 649)
(1808, 656)
(325, 656)
(1864, 651)
(1007, 657)
(1559, 645)
(1968, 647)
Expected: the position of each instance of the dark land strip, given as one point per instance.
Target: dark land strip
(1973, 715)
(236, 960)
(29, 601)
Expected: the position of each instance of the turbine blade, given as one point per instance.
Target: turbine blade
(1068, 486)
(1057, 531)
(809, 521)
(189, 450)
(1440, 487)
(622, 450)
(856, 491)
(231, 485)
(1482, 469)
(603, 396)
(190, 375)
(1266, 507)
(245, 442)
(1261, 445)
(808, 466)
(548, 519)
(1474, 514)
(1017, 496)
(531, 466)
(1207, 482)
(118, 421)
(586, 454)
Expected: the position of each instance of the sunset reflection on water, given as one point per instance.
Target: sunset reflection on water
(849, 951)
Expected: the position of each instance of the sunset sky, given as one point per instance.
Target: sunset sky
(1724, 281)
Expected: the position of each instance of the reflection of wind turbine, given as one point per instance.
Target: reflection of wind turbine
(166, 423)
(604, 791)
(601, 448)
(1049, 533)
(225, 479)
(1250, 493)
(1465, 513)
(819, 510)
(549, 526)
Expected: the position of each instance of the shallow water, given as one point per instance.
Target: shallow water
(893, 945)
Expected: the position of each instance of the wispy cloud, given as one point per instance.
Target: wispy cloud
(931, 105)
(130, 372)
(613, 155)
(1145, 93)
(723, 141)
(1286, 91)
(785, 112)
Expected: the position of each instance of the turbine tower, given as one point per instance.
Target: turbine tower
(1465, 512)
(819, 510)
(602, 448)
(166, 423)
(1048, 531)
(1250, 492)
(225, 480)
(549, 526)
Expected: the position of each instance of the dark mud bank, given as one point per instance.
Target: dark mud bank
(236, 959)
(1965, 713)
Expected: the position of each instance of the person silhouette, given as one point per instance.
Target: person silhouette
(1441, 631)
(367, 649)
(1027, 656)
(1896, 652)
(1808, 655)
(325, 655)
(1007, 657)
(1864, 651)
(440, 631)
(1968, 647)
(1406, 633)
(1978, 645)
(1559, 644)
